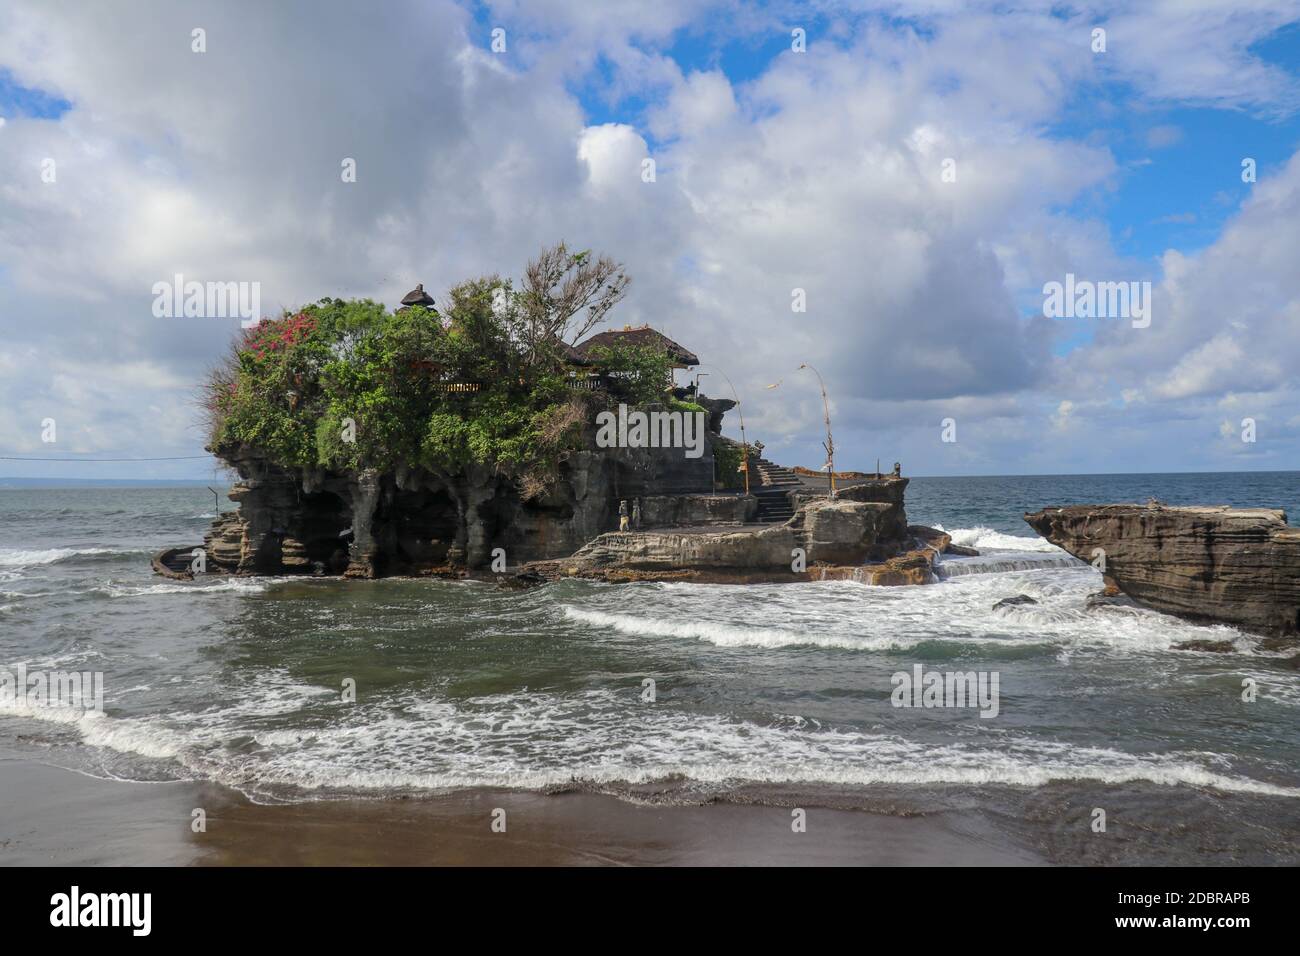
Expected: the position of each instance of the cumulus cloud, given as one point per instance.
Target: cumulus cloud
(614, 154)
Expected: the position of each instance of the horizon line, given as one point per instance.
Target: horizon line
(1059, 474)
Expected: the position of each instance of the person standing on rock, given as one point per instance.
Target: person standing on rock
(622, 515)
(636, 514)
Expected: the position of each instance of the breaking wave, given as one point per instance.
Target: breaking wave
(600, 738)
(730, 635)
(22, 558)
(223, 585)
(986, 539)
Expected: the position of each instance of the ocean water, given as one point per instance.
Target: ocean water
(767, 693)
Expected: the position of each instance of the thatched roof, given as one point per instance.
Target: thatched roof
(568, 353)
(643, 336)
(418, 296)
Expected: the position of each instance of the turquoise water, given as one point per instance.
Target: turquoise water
(771, 693)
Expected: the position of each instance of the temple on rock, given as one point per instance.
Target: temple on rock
(414, 520)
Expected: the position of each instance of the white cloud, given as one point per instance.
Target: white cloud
(614, 154)
(822, 173)
(701, 102)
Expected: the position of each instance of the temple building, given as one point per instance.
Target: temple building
(417, 296)
(585, 368)
(643, 336)
(639, 337)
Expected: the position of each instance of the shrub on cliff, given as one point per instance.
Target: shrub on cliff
(728, 461)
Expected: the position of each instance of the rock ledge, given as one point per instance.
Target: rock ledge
(1220, 565)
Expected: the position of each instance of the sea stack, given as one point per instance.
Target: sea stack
(1238, 566)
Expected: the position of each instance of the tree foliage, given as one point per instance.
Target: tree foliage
(638, 374)
(346, 384)
(564, 296)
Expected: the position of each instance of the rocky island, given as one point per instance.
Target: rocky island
(465, 441)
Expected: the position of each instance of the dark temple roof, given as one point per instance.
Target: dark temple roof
(568, 353)
(418, 296)
(643, 336)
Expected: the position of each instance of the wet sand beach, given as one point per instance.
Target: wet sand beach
(52, 816)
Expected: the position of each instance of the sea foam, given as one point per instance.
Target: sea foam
(603, 738)
(19, 557)
(986, 539)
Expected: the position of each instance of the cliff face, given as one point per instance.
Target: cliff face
(371, 524)
(1213, 564)
(408, 521)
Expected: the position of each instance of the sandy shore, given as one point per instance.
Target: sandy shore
(52, 816)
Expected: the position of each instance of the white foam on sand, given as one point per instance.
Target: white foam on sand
(537, 740)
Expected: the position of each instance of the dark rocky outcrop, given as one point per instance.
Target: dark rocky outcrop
(291, 522)
(370, 524)
(715, 408)
(411, 521)
(173, 563)
(1207, 647)
(415, 521)
(913, 565)
(1017, 601)
(521, 581)
(1206, 564)
(1105, 599)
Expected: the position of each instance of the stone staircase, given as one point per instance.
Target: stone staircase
(771, 484)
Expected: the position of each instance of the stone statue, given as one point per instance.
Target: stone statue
(636, 514)
(622, 515)
(898, 470)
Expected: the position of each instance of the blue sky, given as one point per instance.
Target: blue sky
(777, 171)
(1179, 166)
(1174, 192)
(18, 100)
